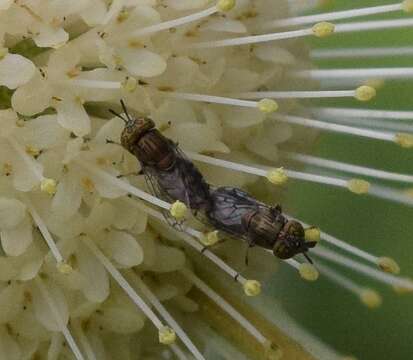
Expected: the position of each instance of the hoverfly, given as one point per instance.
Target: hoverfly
(238, 214)
(168, 173)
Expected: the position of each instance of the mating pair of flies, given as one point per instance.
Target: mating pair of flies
(171, 176)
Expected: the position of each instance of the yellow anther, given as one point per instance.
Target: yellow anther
(252, 288)
(129, 84)
(33, 151)
(407, 5)
(210, 238)
(370, 298)
(358, 186)
(123, 15)
(64, 268)
(48, 186)
(167, 335)
(178, 210)
(409, 192)
(277, 176)
(88, 184)
(308, 272)
(226, 5)
(7, 169)
(267, 106)
(272, 351)
(388, 265)
(365, 93)
(3, 52)
(404, 140)
(400, 289)
(312, 234)
(323, 29)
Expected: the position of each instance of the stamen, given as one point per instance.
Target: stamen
(164, 334)
(351, 53)
(363, 113)
(224, 305)
(317, 124)
(87, 348)
(167, 316)
(296, 94)
(368, 297)
(360, 73)
(362, 269)
(63, 328)
(264, 105)
(373, 25)
(62, 266)
(337, 15)
(349, 168)
(319, 30)
(176, 22)
(188, 234)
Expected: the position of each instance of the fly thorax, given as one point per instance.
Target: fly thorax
(263, 228)
(153, 149)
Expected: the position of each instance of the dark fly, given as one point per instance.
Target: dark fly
(168, 173)
(239, 215)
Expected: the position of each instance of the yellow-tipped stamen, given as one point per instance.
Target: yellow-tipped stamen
(404, 140)
(312, 234)
(48, 186)
(323, 29)
(210, 238)
(362, 52)
(117, 276)
(401, 290)
(365, 270)
(178, 210)
(166, 335)
(252, 288)
(64, 268)
(407, 6)
(316, 94)
(365, 93)
(338, 15)
(167, 316)
(358, 186)
(308, 272)
(225, 5)
(225, 306)
(370, 298)
(277, 176)
(388, 265)
(267, 106)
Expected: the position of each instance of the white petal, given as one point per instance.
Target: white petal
(68, 195)
(121, 321)
(43, 132)
(142, 62)
(43, 311)
(106, 188)
(242, 117)
(5, 4)
(8, 120)
(33, 97)
(95, 13)
(111, 130)
(274, 54)
(186, 4)
(15, 70)
(126, 214)
(123, 249)
(96, 288)
(25, 176)
(101, 217)
(49, 36)
(12, 212)
(11, 301)
(168, 259)
(16, 241)
(9, 348)
(72, 116)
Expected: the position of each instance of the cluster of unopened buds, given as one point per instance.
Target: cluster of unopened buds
(91, 251)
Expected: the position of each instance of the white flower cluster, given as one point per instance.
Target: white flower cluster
(53, 152)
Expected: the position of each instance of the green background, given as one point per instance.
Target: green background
(383, 228)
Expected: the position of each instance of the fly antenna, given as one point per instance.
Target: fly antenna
(125, 110)
(118, 115)
(308, 258)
